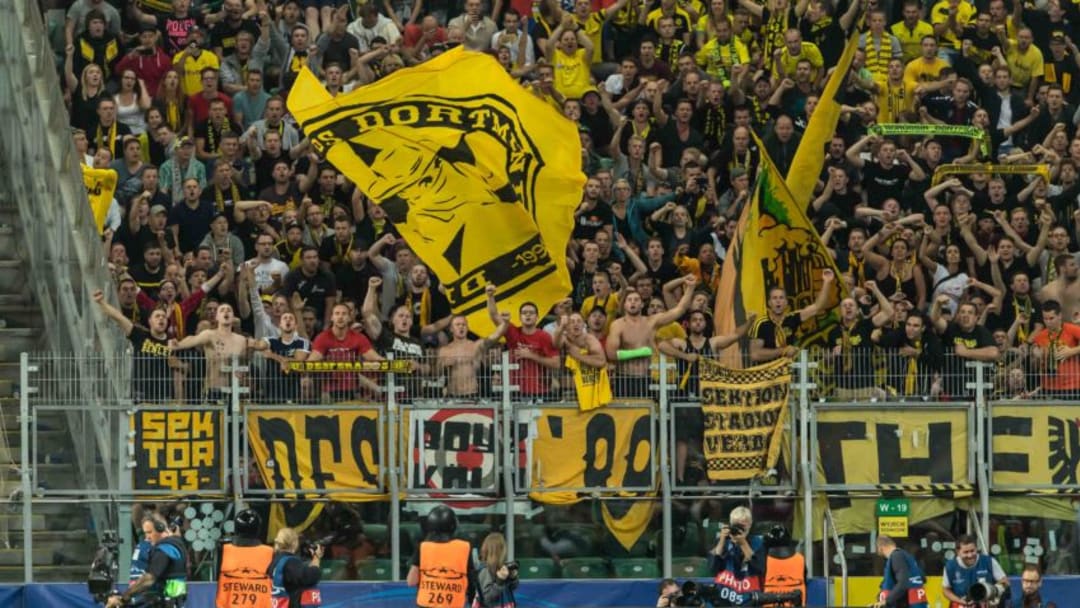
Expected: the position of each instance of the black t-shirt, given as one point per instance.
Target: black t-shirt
(956, 372)
(853, 368)
(281, 202)
(590, 222)
(264, 169)
(772, 336)
(880, 183)
(213, 135)
(315, 289)
(1011, 306)
(674, 146)
(337, 51)
(841, 205)
(194, 223)
(151, 378)
(353, 282)
(174, 31)
(149, 280)
(224, 35)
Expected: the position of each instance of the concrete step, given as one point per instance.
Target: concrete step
(9, 238)
(16, 340)
(21, 315)
(12, 273)
(51, 548)
(12, 514)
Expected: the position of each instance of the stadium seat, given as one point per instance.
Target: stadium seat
(585, 567)
(690, 567)
(537, 568)
(333, 569)
(635, 568)
(414, 532)
(374, 570)
(377, 534)
(474, 533)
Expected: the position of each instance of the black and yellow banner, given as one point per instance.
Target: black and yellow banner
(178, 450)
(1035, 447)
(745, 411)
(479, 176)
(453, 450)
(592, 450)
(944, 171)
(396, 366)
(100, 188)
(918, 450)
(933, 130)
(300, 453)
(775, 246)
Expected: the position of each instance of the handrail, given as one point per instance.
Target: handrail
(827, 527)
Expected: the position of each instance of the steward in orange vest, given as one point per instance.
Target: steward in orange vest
(442, 569)
(785, 568)
(244, 578)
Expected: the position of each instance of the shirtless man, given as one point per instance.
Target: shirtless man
(636, 332)
(1065, 288)
(462, 357)
(220, 344)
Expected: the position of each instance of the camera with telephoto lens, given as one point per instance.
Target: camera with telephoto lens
(104, 568)
(989, 593)
(309, 547)
(737, 529)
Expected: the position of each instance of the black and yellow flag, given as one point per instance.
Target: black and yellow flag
(776, 245)
(100, 188)
(480, 176)
(810, 157)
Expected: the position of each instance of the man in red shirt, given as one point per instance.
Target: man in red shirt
(531, 349)
(1054, 352)
(340, 343)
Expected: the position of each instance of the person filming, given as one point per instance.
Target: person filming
(970, 569)
(295, 580)
(165, 578)
(738, 559)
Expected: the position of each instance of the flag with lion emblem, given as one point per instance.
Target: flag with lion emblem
(478, 175)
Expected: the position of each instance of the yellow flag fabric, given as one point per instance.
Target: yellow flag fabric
(745, 411)
(775, 245)
(478, 175)
(610, 450)
(592, 385)
(100, 188)
(810, 157)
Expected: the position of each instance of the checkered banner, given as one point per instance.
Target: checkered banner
(744, 412)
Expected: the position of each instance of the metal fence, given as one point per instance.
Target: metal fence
(357, 456)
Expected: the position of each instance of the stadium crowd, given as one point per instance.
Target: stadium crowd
(229, 234)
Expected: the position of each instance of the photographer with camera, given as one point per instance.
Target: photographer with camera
(498, 579)
(669, 593)
(442, 568)
(295, 580)
(738, 559)
(244, 575)
(904, 584)
(973, 579)
(164, 583)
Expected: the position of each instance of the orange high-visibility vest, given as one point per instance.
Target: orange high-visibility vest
(786, 574)
(444, 571)
(245, 577)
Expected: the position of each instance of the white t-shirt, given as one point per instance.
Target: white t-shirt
(950, 286)
(264, 272)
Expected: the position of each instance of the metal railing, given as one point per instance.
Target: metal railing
(396, 436)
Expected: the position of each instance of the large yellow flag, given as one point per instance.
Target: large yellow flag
(776, 245)
(480, 176)
(100, 188)
(810, 157)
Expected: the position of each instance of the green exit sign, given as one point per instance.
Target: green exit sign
(887, 507)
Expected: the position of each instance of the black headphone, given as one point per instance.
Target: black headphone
(159, 526)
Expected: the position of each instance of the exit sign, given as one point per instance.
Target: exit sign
(887, 507)
(892, 516)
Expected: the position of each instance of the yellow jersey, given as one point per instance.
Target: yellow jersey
(1024, 66)
(191, 75)
(809, 52)
(572, 74)
(718, 58)
(965, 12)
(911, 39)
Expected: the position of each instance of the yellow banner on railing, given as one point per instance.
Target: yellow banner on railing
(1035, 447)
(178, 450)
(606, 448)
(920, 450)
(744, 412)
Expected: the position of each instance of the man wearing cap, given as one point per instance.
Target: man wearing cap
(192, 60)
(146, 59)
(180, 168)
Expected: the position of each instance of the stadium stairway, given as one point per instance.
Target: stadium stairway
(50, 259)
(62, 546)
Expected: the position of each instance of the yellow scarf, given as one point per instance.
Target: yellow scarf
(912, 375)
(219, 198)
(111, 142)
